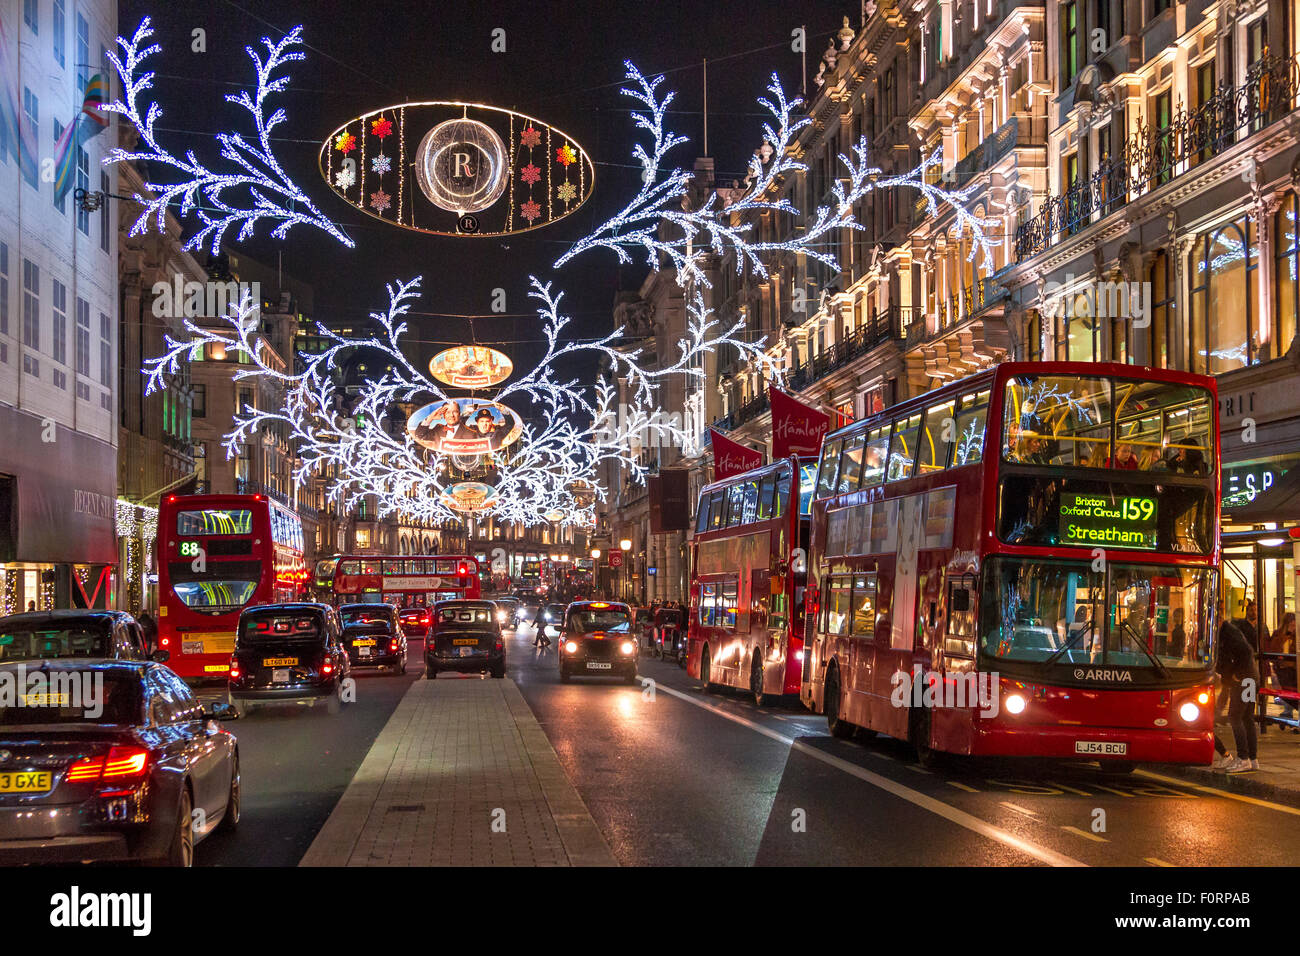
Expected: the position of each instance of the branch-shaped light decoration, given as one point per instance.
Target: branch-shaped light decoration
(551, 472)
(263, 188)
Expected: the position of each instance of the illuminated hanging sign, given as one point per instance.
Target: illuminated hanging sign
(481, 170)
(465, 426)
(469, 497)
(471, 366)
(1099, 519)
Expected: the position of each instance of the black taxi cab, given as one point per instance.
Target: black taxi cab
(373, 636)
(466, 638)
(288, 653)
(597, 641)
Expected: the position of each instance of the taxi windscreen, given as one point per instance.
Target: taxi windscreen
(466, 616)
(272, 625)
(358, 616)
(584, 620)
(37, 643)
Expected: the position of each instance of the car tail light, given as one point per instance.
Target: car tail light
(392, 645)
(126, 762)
(164, 642)
(263, 625)
(87, 768)
(235, 672)
(327, 668)
(500, 645)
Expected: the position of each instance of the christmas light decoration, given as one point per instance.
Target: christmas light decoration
(267, 190)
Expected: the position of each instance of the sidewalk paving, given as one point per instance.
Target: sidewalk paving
(456, 755)
(1278, 777)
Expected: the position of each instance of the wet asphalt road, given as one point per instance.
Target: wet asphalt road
(677, 778)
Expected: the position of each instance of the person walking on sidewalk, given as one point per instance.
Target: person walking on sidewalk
(1240, 676)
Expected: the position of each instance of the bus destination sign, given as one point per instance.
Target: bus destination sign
(1099, 519)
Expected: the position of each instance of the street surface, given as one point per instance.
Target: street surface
(673, 777)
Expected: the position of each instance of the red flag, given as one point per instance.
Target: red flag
(731, 457)
(797, 429)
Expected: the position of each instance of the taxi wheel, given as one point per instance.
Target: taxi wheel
(231, 819)
(241, 708)
(564, 675)
(499, 671)
(181, 851)
(430, 672)
(631, 678)
(334, 703)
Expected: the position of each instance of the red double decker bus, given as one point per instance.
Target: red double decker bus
(410, 581)
(216, 555)
(747, 580)
(1023, 563)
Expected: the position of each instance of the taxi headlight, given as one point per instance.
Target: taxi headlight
(1015, 704)
(571, 647)
(1189, 712)
(628, 647)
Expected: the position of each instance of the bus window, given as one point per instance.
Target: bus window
(873, 456)
(1057, 421)
(702, 517)
(836, 618)
(782, 493)
(750, 505)
(727, 603)
(765, 502)
(394, 567)
(851, 463)
(807, 479)
(717, 519)
(937, 438)
(837, 524)
(827, 479)
(735, 505)
(960, 640)
(864, 605)
(970, 429)
(708, 603)
(902, 448)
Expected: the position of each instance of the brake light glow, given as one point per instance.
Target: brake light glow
(235, 673)
(263, 625)
(164, 641)
(126, 762)
(87, 768)
(327, 668)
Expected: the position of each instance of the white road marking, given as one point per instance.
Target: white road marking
(1085, 834)
(1281, 808)
(1019, 809)
(937, 807)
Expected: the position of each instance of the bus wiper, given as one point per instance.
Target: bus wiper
(1070, 643)
(1125, 626)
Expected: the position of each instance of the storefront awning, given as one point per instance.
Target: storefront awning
(1281, 503)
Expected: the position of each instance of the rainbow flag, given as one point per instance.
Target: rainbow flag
(19, 138)
(88, 124)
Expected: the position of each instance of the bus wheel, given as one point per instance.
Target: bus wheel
(706, 672)
(837, 726)
(756, 683)
(918, 733)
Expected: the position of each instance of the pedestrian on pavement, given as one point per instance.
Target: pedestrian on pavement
(1283, 642)
(1241, 684)
(149, 628)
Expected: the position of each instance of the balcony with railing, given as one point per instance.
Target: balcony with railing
(970, 301)
(1154, 156)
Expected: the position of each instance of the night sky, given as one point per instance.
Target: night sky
(563, 64)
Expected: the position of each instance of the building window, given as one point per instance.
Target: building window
(105, 351)
(83, 52)
(83, 340)
(1225, 299)
(4, 288)
(59, 332)
(31, 315)
(32, 15)
(1158, 7)
(200, 401)
(1082, 331)
(1287, 288)
(1034, 336)
(60, 23)
(1070, 41)
(1161, 277)
(83, 182)
(32, 110)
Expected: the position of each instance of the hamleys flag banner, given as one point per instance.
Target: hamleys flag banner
(797, 429)
(731, 457)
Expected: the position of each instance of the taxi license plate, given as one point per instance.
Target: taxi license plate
(1107, 747)
(364, 642)
(363, 652)
(465, 640)
(598, 666)
(279, 661)
(280, 675)
(27, 781)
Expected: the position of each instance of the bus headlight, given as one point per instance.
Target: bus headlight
(1015, 704)
(1189, 712)
(628, 647)
(1203, 697)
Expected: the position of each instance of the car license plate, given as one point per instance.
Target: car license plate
(363, 652)
(466, 651)
(598, 666)
(1107, 747)
(26, 781)
(280, 675)
(466, 640)
(279, 661)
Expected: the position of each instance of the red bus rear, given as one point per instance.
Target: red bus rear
(747, 580)
(1023, 563)
(216, 555)
(411, 581)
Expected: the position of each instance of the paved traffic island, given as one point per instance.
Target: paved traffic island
(461, 775)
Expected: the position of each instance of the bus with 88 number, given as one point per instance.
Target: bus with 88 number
(1023, 563)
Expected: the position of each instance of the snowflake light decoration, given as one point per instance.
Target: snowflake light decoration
(266, 189)
(574, 429)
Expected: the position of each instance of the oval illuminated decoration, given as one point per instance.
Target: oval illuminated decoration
(469, 497)
(471, 366)
(465, 426)
(457, 169)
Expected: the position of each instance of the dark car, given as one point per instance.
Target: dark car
(120, 779)
(466, 638)
(507, 608)
(597, 641)
(288, 652)
(415, 621)
(373, 637)
(53, 635)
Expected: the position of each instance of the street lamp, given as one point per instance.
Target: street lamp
(626, 545)
(595, 554)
